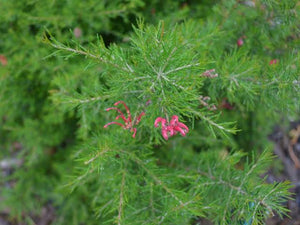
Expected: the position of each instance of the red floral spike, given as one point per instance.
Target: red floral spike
(134, 132)
(77, 32)
(210, 73)
(119, 124)
(138, 120)
(3, 60)
(240, 42)
(273, 61)
(128, 123)
(126, 107)
(119, 111)
(225, 104)
(171, 128)
(160, 120)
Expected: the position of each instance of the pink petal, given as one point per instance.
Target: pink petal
(134, 132)
(126, 107)
(3, 60)
(122, 117)
(273, 61)
(119, 124)
(160, 120)
(240, 42)
(139, 118)
(119, 111)
(174, 120)
(171, 130)
(164, 133)
(182, 125)
(181, 131)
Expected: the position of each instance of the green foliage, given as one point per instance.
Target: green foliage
(70, 60)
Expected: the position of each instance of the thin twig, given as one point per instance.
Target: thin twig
(159, 182)
(227, 204)
(96, 156)
(181, 68)
(173, 210)
(121, 199)
(221, 181)
(264, 204)
(295, 136)
(133, 92)
(247, 175)
(161, 86)
(172, 82)
(239, 189)
(110, 12)
(168, 59)
(151, 200)
(239, 74)
(141, 78)
(210, 121)
(294, 157)
(80, 52)
(155, 178)
(149, 63)
(82, 101)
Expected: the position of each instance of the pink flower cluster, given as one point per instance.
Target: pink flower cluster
(240, 41)
(210, 73)
(204, 101)
(168, 129)
(3, 60)
(171, 128)
(128, 122)
(273, 61)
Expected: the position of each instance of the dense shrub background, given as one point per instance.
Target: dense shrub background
(47, 122)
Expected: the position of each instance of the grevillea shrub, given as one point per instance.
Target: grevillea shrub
(145, 113)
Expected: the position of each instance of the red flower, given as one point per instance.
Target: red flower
(273, 61)
(225, 104)
(3, 60)
(128, 123)
(171, 128)
(210, 73)
(240, 42)
(77, 32)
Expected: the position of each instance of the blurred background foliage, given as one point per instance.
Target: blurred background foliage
(43, 135)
